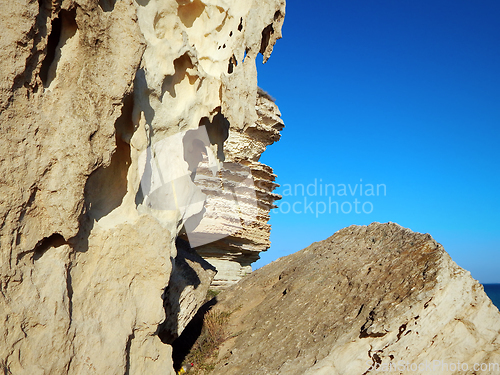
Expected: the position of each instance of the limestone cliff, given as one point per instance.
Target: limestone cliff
(244, 230)
(375, 299)
(107, 108)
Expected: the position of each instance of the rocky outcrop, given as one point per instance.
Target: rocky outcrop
(106, 107)
(376, 297)
(237, 210)
(185, 292)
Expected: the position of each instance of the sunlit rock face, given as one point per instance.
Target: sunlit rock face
(237, 207)
(108, 109)
(369, 299)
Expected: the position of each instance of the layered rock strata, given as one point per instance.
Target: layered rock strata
(237, 208)
(98, 100)
(373, 299)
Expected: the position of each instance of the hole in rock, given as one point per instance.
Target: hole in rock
(189, 11)
(218, 131)
(52, 43)
(266, 37)
(41, 248)
(107, 186)
(63, 28)
(181, 65)
(107, 5)
(232, 63)
(240, 26)
(127, 351)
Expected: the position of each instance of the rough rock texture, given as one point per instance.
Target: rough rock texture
(186, 290)
(367, 296)
(96, 100)
(243, 227)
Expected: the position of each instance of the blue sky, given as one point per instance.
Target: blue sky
(401, 93)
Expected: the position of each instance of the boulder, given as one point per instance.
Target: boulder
(365, 299)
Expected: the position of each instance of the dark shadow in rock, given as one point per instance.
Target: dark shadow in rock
(189, 11)
(183, 344)
(107, 5)
(188, 270)
(52, 241)
(64, 28)
(127, 350)
(218, 131)
(266, 38)
(195, 143)
(50, 55)
(106, 186)
(181, 65)
(142, 95)
(232, 63)
(80, 243)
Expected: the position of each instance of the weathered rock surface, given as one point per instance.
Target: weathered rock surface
(97, 98)
(243, 229)
(367, 296)
(186, 290)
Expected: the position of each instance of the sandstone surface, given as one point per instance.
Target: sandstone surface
(367, 297)
(99, 102)
(242, 229)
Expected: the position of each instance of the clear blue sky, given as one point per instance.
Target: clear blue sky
(400, 93)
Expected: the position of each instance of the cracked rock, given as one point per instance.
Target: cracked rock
(366, 297)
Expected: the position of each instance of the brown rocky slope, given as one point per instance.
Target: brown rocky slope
(371, 296)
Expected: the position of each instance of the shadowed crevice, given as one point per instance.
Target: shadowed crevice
(107, 5)
(64, 27)
(185, 342)
(107, 186)
(187, 268)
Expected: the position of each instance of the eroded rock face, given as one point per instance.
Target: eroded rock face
(97, 171)
(186, 290)
(365, 297)
(243, 228)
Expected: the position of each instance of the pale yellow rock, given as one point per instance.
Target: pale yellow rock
(87, 87)
(238, 221)
(54, 138)
(210, 83)
(117, 288)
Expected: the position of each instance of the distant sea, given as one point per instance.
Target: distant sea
(493, 291)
